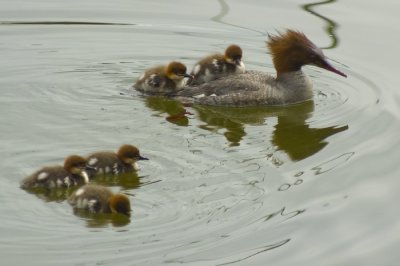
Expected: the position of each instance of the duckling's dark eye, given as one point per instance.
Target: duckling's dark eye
(130, 155)
(79, 165)
(180, 72)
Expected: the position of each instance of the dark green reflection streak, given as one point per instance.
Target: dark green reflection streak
(224, 10)
(331, 25)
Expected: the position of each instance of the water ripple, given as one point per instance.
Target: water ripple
(223, 186)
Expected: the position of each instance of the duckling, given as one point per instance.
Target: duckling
(74, 172)
(111, 163)
(99, 199)
(218, 65)
(163, 80)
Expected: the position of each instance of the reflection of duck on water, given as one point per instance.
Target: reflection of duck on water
(97, 220)
(292, 134)
(129, 180)
(124, 181)
(53, 195)
(176, 113)
(297, 139)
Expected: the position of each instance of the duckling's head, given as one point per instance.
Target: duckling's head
(292, 50)
(176, 71)
(233, 54)
(120, 203)
(129, 154)
(76, 165)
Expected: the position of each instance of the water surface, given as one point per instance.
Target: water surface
(309, 184)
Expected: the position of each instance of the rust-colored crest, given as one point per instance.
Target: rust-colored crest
(291, 50)
(290, 40)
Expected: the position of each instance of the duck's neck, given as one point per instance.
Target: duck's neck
(296, 76)
(179, 84)
(295, 85)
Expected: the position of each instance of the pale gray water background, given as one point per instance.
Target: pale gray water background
(312, 184)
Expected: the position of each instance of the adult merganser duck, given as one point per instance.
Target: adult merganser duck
(290, 51)
(218, 65)
(111, 163)
(163, 80)
(99, 199)
(74, 172)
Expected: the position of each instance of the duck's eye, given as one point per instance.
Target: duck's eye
(79, 165)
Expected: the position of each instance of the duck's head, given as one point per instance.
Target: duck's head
(176, 71)
(76, 165)
(233, 54)
(120, 203)
(129, 154)
(292, 50)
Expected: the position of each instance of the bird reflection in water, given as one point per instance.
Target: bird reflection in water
(51, 195)
(124, 181)
(176, 113)
(292, 135)
(98, 220)
(295, 137)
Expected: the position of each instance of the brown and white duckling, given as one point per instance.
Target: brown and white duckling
(74, 172)
(111, 163)
(218, 65)
(99, 199)
(163, 80)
